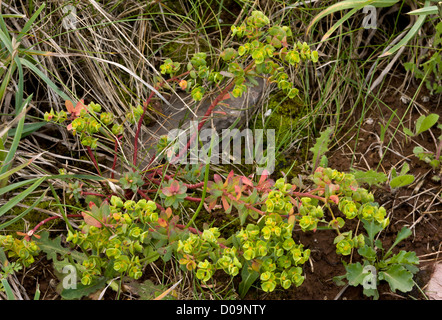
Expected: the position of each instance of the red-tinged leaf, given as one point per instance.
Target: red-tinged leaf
(226, 97)
(166, 192)
(206, 207)
(256, 265)
(163, 223)
(90, 220)
(174, 187)
(264, 176)
(168, 212)
(77, 110)
(247, 181)
(220, 112)
(238, 192)
(217, 178)
(226, 205)
(291, 220)
(231, 173)
(91, 204)
(211, 205)
(334, 198)
(69, 106)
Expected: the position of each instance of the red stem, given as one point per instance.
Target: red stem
(205, 118)
(193, 199)
(91, 154)
(32, 232)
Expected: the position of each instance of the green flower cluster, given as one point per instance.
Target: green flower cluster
(271, 246)
(310, 214)
(202, 252)
(278, 200)
(119, 237)
(345, 242)
(24, 251)
(86, 121)
(368, 211)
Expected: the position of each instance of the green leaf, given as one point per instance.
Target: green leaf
(401, 181)
(368, 253)
(423, 123)
(52, 248)
(403, 234)
(82, 290)
(372, 229)
(321, 146)
(248, 276)
(355, 274)
(370, 177)
(398, 278)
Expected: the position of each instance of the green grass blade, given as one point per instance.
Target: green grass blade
(6, 41)
(413, 31)
(28, 129)
(15, 142)
(4, 28)
(18, 198)
(37, 293)
(425, 11)
(24, 213)
(30, 22)
(348, 4)
(42, 76)
(16, 185)
(14, 170)
(340, 22)
(9, 293)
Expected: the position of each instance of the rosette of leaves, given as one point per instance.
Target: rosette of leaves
(131, 180)
(174, 193)
(236, 192)
(380, 264)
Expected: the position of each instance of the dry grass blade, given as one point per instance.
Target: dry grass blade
(165, 293)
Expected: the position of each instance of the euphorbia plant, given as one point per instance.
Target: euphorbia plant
(121, 233)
